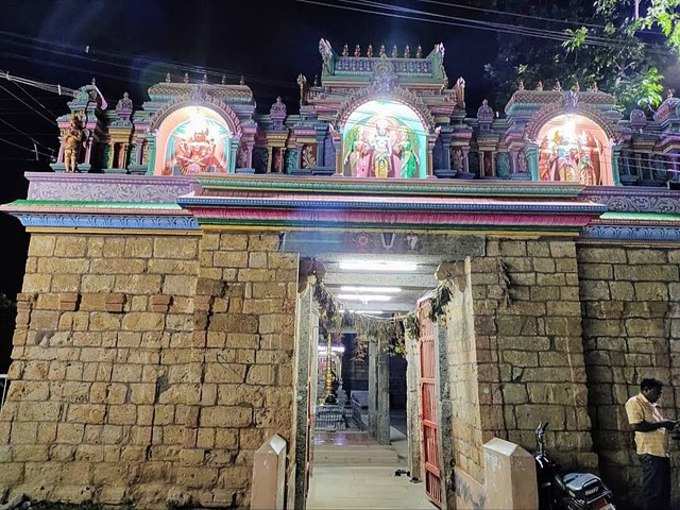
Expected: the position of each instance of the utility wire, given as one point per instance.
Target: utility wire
(76, 52)
(35, 99)
(518, 15)
(51, 121)
(522, 30)
(22, 147)
(30, 137)
(511, 29)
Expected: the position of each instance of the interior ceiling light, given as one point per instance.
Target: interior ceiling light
(378, 265)
(364, 298)
(373, 290)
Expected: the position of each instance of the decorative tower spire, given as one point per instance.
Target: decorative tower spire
(395, 51)
(357, 51)
(369, 51)
(382, 50)
(242, 81)
(345, 50)
(419, 52)
(167, 78)
(186, 77)
(223, 80)
(407, 51)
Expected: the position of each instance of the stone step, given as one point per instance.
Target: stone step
(360, 455)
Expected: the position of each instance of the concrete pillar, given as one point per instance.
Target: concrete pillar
(372, 386)
(269, 475)
(509, 477)
(383, 395)
(413, 407)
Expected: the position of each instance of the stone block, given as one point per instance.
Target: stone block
(174, 247)
(269, 475)
(41, 245)
(37, 282)
(651, 291)
(65, 283)
(219, 416)
(180, 285)
(509, 477)
(138, 247)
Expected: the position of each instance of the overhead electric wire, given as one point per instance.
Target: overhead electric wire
(522, 30)
(510, 29)
(34, 99)
(51, 121)
(76, 52)
(24, 133)
(18, 146)
(519, 15)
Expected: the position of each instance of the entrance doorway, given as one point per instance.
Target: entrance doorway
(364, 435)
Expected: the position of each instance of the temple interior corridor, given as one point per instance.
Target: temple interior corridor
(352, 471)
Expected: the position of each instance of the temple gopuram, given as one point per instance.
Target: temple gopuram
(168, 325)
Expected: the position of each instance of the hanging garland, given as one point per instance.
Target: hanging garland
(390, 333)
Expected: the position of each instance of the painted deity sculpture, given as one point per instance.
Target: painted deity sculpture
(197, 154)
(409, 161)
(73, 142)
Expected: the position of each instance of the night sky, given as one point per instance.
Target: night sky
(268, 42)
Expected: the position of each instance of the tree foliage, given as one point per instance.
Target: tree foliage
(631, 58)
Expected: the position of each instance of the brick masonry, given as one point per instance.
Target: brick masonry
(148, 368)
(630, 299)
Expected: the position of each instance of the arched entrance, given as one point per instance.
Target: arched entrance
(384, 139)
(574, 148)
(193, 140)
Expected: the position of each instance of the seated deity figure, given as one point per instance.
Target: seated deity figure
(196, 154)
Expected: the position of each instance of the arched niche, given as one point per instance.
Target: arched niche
(384, 139)
(574, 148)
(193, 140)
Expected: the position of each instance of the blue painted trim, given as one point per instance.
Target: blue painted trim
(105, 221)
(632, 233)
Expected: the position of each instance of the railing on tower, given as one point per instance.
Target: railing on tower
(4, 386)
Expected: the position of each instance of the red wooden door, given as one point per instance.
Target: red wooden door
(428, 418)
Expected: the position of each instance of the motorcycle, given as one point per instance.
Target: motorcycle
(567, 491)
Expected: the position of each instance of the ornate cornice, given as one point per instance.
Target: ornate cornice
(198, 98)
(376, 91)
(555, 109)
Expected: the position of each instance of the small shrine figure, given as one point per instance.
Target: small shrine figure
(395, 51)
(73, 141)
(407, 51)
(302, 84)
(419, 52)
(357, 51)
(243, 158)
(558, 86)
(124, 106)
(520, 85)
(308, 157)
(593, 87)
(242, 81)
(382, 50)
(539, 85)
(316, 80)
(223, 80)
(167, 78)
(205, 78)
(186, 77)
(277, 160)
(670, 93)
(345, 51)
(369, 51)
(459, 92)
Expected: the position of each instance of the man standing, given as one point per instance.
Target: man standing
(651, 439)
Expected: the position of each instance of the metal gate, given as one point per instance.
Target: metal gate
(428, 417)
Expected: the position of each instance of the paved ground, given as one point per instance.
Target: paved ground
(349, 480)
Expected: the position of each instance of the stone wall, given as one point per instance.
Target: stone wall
(530, 363)
(148, 368)
(631, 320)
